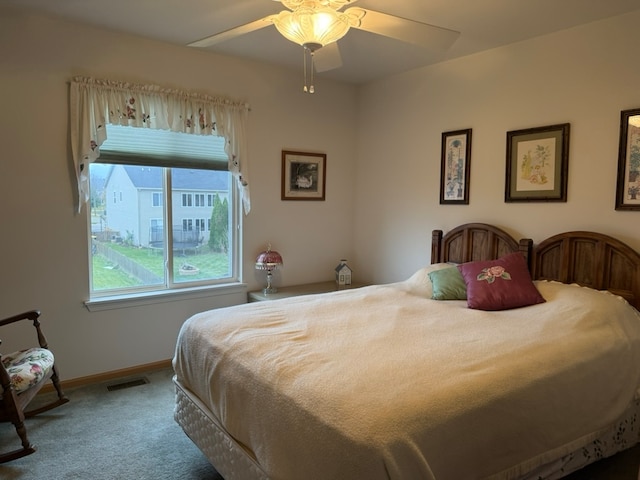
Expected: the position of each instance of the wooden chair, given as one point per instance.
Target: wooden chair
(22, 375)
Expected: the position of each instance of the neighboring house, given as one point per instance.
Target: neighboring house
(133, 202)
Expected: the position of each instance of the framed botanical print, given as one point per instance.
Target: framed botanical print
(455, 166)
(537, 164)
(628, 187)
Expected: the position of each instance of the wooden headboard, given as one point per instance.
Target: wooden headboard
(590, 259)
(475, 241)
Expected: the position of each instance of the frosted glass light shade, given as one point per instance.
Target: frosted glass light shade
(335, 4)
(319, 25)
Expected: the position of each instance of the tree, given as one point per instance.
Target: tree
(219, 235)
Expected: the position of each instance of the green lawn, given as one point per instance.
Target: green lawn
(106, 275)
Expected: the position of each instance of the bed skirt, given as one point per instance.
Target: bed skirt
(229, 458)
(234, 462)
(623, 434)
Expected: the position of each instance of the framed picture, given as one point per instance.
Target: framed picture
(628, 188)
(454, 170)
(303, 175)
(537, 164)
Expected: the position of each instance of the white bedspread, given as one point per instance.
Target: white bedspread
(383, 383)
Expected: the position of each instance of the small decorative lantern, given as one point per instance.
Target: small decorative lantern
(343, 274)
(269, 260)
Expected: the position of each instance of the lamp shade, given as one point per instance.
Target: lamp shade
(268, 260)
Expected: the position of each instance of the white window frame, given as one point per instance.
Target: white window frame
(141, 295)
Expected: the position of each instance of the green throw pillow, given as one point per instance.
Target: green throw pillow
(448, 284)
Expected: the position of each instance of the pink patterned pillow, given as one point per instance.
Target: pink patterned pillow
(499, 284)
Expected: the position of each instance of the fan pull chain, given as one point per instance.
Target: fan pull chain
(311, 88)
(304, 69)
(308, 86)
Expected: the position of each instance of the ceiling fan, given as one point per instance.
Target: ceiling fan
(317, 25)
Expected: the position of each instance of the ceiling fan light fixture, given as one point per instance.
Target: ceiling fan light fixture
(335, 4)
(312, 25)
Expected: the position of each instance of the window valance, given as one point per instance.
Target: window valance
(96, 103)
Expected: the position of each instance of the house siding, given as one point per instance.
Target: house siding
(129, 200)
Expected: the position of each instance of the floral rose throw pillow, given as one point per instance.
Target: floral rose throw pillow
(499, 284)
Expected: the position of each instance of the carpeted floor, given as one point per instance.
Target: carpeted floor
(130, 433)
(103, 435)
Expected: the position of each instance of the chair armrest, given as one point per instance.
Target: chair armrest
(30, 315)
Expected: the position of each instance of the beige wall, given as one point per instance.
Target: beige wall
(584, 76)
(43, 245)
(383, 146)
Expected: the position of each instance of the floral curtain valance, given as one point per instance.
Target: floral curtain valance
(96, 103)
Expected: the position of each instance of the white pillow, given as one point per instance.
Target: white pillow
(420, 284)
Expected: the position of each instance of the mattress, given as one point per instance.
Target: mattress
(383, 382)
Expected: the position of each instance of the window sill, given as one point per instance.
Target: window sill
(140, 299)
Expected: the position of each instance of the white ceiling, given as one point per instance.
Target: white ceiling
(484, 24)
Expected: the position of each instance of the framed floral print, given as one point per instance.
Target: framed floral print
(537, 164)
(455, 167)
(628, 187)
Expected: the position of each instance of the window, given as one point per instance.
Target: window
(154, 239)
(187, 224)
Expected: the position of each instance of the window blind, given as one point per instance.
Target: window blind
(162, 148)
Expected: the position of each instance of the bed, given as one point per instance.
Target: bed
(384, 382)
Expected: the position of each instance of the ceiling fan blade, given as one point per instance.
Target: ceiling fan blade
(233, 32)
(327, 58)
(422, 34)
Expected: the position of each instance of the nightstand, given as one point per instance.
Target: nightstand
(297, 290)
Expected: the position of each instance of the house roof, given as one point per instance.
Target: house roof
(343, 266)
(181, 178)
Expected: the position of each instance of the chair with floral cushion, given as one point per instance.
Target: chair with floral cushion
(22, 375)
